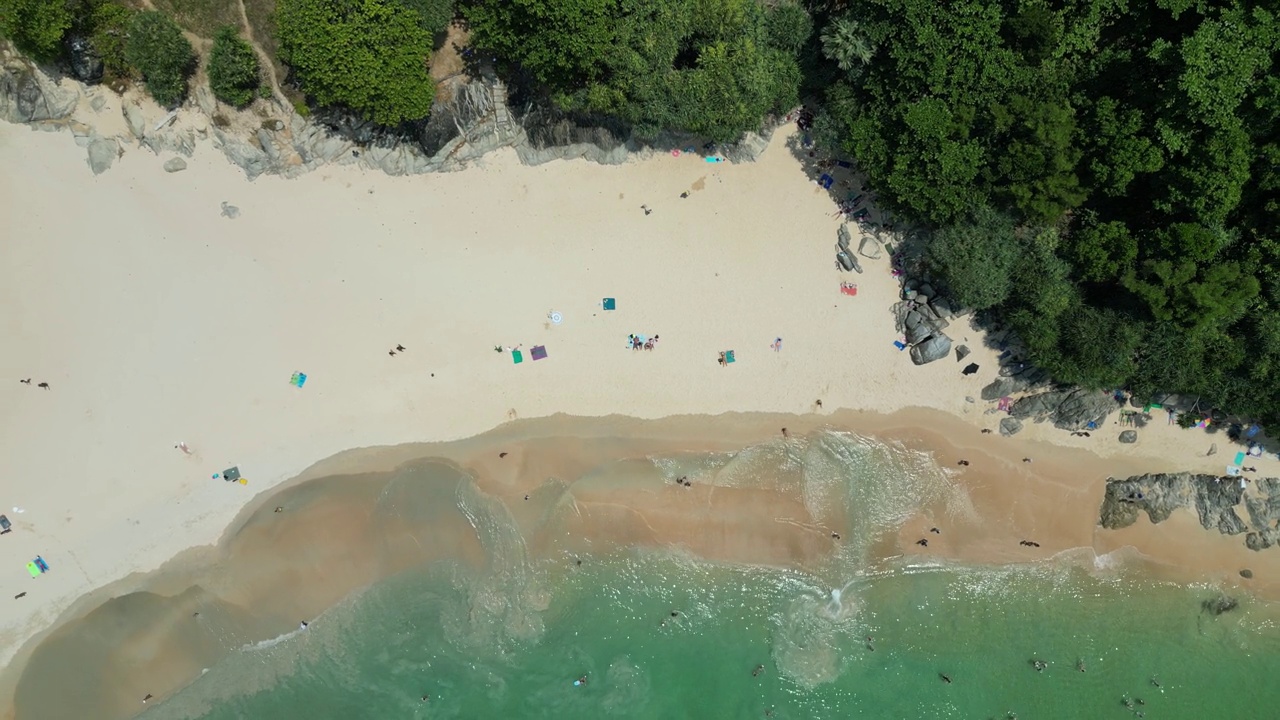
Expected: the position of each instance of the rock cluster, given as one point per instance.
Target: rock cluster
(1214, 499)
(922, 317)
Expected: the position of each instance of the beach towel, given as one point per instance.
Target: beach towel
(517, 357)
(610, 304)
(848, 288)
(825, 181)
(713, 159)
(538, 352)
(231, 474)
(728, 356)
(1005, 403)
(298, 379)
(33, 570)
(40, 563)
(900, 345)
(1239, 458)
(1233, 471)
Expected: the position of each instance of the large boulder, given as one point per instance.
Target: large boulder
(1072, 409)
(1129, 437)
(869, 247)
(1010, 426)
(174, 165)
(962, 352)
(917, 333)
(28, 95)
(998, 388)
(935, 347)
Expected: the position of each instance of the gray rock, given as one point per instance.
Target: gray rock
(1247, 574)
(230, 211)
(926, 290)
(98, 103)
(102, 153)
(205, 99)
(998, 388)
(1129, 437)
(869, 247)
(1071, 409)
(918, 333)
(1213, 449)
(173, 165)
(1010, 426)
(133, 118)
(843, 237)
(847, 260)
(27, 95)
(942, 307)
(935, 348)
(962, 352)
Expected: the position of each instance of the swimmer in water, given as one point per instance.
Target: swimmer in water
(1080, 664)
(945, 678)
(756, 673)
(426, 698)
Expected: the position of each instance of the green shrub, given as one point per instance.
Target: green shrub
(233, 68)
(157, 49)
(36, 26)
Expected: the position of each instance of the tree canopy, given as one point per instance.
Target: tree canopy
(36, 26)
(713, 67)
(367, 55)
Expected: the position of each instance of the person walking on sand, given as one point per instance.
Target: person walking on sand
(43, 385)
(777, 344)
(183, 447)
(25, 382)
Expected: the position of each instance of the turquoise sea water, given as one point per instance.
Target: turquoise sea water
(507, 641)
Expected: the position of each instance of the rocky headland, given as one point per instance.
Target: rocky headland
(470, 119)
(1217, 501)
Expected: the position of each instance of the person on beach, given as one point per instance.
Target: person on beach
(400, 348)
(145, 699)
(392, 353)
(722, 360)
(302, 625)
(777, 344)
(279, 508)
(922, 542)
(784, 432)
(44, 385)
(25, 382)
(965, 463)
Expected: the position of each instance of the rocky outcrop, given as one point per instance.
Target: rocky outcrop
(27, 95)
(1214, 499)
(921, 318)
(469, 120)
(1069, 409)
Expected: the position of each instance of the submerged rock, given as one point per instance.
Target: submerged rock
(1219, 605)
(1247, 574)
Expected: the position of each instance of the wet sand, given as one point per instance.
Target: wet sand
(356, 518)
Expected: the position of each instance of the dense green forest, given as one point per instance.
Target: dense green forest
(1102, 176)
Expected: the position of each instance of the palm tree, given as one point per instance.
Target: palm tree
(845, 42)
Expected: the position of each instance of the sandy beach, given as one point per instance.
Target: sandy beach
(168, 335)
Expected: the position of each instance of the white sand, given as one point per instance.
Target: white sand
(156, 321)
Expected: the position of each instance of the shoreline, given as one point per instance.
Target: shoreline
(174, 324)
(1053, 503)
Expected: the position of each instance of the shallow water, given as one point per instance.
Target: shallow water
(660, 633)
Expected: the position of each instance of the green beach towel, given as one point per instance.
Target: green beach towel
(517, 357)
(1239, 458)
(35, 571)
